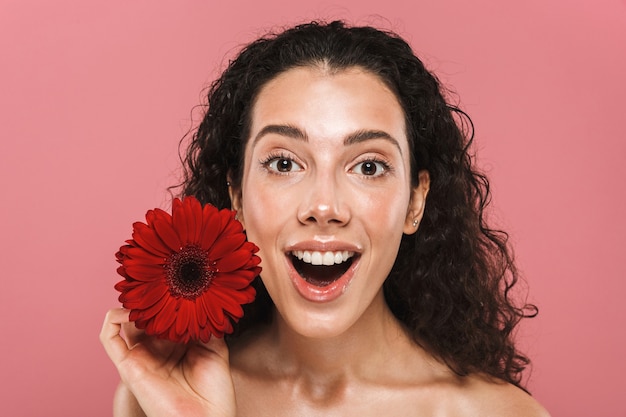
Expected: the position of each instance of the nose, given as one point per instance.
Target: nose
(325, 203)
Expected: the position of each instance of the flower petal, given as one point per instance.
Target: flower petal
(164, 321)
(231, 225)
(194, 219)
(143, 296)
(166, 232)
(235, 311)
(213, 309)
(122, 271)
(244, 296)
(235, 280)
(211, 226)
(205, 334)
(232, 261)
(182, 319)
(179, 221)
(140, 254)
(153, 310)
(226, 328)
(125, 285)
(226, 244)
(147, 238)
(201, 315)
(193, 328)
(143, 272)
(146, 289)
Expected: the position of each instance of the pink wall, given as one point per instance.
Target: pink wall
(94, 97)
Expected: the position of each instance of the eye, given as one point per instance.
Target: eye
(282, 164)
(370, 168)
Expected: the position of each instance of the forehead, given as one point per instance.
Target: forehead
(327, 103)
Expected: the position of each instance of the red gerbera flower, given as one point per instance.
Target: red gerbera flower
(187, 274)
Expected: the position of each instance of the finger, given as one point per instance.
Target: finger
(114, 345)
(132, 334)
(208, 356)
(207, 359)
(159, 347)
(217, 346)
(207, 371)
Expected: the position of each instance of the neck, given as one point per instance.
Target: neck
(361, 351)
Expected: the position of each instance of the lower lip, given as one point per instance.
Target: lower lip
(328, 293)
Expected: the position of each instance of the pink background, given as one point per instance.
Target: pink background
(95, 95)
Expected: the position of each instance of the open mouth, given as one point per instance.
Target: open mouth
(321, 268)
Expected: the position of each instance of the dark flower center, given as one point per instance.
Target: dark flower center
(189, 272)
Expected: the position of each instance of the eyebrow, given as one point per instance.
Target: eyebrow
(365, 135)
(282, 130)
(353, 138)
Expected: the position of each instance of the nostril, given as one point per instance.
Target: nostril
(319, 211)
(313, 219)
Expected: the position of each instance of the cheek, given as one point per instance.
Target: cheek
(385, 226)
(257, 206)
(386, 210)
(266, 209)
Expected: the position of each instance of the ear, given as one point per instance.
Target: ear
(235, 201)
(417, 203)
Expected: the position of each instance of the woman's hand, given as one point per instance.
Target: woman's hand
(168, 379)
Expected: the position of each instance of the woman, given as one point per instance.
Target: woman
(383, 291)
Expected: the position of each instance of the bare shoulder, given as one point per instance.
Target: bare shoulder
(486, 397)
(414, 388)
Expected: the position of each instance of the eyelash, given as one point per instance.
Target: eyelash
(387, 168)
(273, 157)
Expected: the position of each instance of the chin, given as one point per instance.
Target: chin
(325, 325)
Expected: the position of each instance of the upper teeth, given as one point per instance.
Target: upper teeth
(323, 258)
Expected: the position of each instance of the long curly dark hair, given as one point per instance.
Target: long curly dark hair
(452, 280)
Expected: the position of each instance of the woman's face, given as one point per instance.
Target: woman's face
(326, 194)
